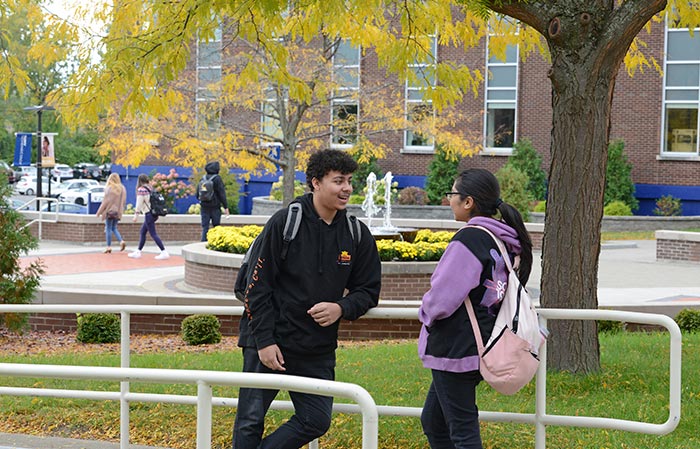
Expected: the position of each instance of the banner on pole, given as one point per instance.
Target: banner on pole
(23, 149)
(48, 158)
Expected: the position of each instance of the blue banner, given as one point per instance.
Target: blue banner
(23, 149)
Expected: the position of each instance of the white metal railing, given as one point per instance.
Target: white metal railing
(40, 201)
(540, 419)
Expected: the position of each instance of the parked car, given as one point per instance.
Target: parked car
(65, 208)
(80, 196)
(105, 171)
(29, 170)
(7, 170)
(62, 171)
(72, 184)
(27, 185)
(86, 170)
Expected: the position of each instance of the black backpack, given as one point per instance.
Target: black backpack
(206, 189)
(291, 227)
(158, 208)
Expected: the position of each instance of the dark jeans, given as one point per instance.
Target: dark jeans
(450, 416)
(312, 413)
(149, 226)
(208, 214)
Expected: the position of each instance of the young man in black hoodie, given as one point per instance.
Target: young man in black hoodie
(210, 211)
(293, 309)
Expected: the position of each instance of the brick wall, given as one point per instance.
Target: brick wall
(362, 329)
(90, 229)
(678, 246)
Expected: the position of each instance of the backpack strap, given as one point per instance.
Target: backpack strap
(355, 229)
(509, 267)
(291, 227)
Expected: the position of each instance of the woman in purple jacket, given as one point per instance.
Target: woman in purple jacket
(471, 268)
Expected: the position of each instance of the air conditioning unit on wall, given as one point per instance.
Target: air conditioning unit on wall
(683, 140)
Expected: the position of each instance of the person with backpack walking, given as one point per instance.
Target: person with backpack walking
(143, 206)
(294, 304)
(472, 268)
(111, 210)
(211, 193)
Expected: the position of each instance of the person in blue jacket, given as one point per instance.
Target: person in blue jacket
(471, 267)
(294, 306)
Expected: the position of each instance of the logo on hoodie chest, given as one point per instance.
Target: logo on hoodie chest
(344, 258)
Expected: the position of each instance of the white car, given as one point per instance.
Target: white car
(62, 171)
(72, 184)
(80, 196)
(27, 186)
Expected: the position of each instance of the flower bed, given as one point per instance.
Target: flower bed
(428, 246)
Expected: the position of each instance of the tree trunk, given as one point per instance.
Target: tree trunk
(588, 41)
(288, 163)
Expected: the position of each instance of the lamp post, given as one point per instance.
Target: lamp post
(39, 109)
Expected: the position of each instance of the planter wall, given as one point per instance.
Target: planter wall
(678, 246)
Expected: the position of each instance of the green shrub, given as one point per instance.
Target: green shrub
(413, 196)
(541, 206)
(359, 177)
(98, 328)
(514, 189)
(201, 329)
(526, 159)
(617, 208)
(689, 320)
(618, 177)
(356, 199)
(668, 206)
(277, 190)
(610, 327)
(18, 281)
(442, 172)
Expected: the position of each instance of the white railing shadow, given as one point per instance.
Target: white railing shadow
(365, 404)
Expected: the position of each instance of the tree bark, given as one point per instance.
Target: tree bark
(587, 41)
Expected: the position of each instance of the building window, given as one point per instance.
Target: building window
(208, 79)
(419, 108)
(681, 93)
(345, 106)
(501, 101)
(270, 116)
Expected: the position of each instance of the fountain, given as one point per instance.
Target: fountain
(386, 230)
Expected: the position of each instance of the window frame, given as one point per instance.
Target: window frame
(692, 105)
(490, 149)
(344, 95)
(411, 103)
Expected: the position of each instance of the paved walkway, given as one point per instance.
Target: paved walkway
(630, 278)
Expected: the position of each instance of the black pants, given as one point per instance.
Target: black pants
(312, 413)
(208, 214)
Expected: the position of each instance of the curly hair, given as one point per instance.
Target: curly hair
(325, 161)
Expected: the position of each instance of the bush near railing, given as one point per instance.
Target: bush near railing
(427, 246)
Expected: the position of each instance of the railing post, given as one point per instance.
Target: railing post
(124, 385)
(541, 395)
(204, 404)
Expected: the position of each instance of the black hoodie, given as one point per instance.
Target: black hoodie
(323, 261)
(212, 168)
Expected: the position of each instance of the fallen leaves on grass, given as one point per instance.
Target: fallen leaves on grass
(44, 342)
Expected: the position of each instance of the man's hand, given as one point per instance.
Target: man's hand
(325, 313)
(271, 357)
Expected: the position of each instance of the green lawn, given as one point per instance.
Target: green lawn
(632, 385)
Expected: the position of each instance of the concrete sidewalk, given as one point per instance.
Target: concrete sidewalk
(630, 278)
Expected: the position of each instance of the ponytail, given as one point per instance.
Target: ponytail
(511, 216)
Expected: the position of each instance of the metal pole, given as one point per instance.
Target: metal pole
(124, 385)
(204, 416)
(38, 158)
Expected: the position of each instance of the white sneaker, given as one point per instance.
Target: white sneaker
(163, 255)
(135, 255)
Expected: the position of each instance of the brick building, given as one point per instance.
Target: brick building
(656, 115)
